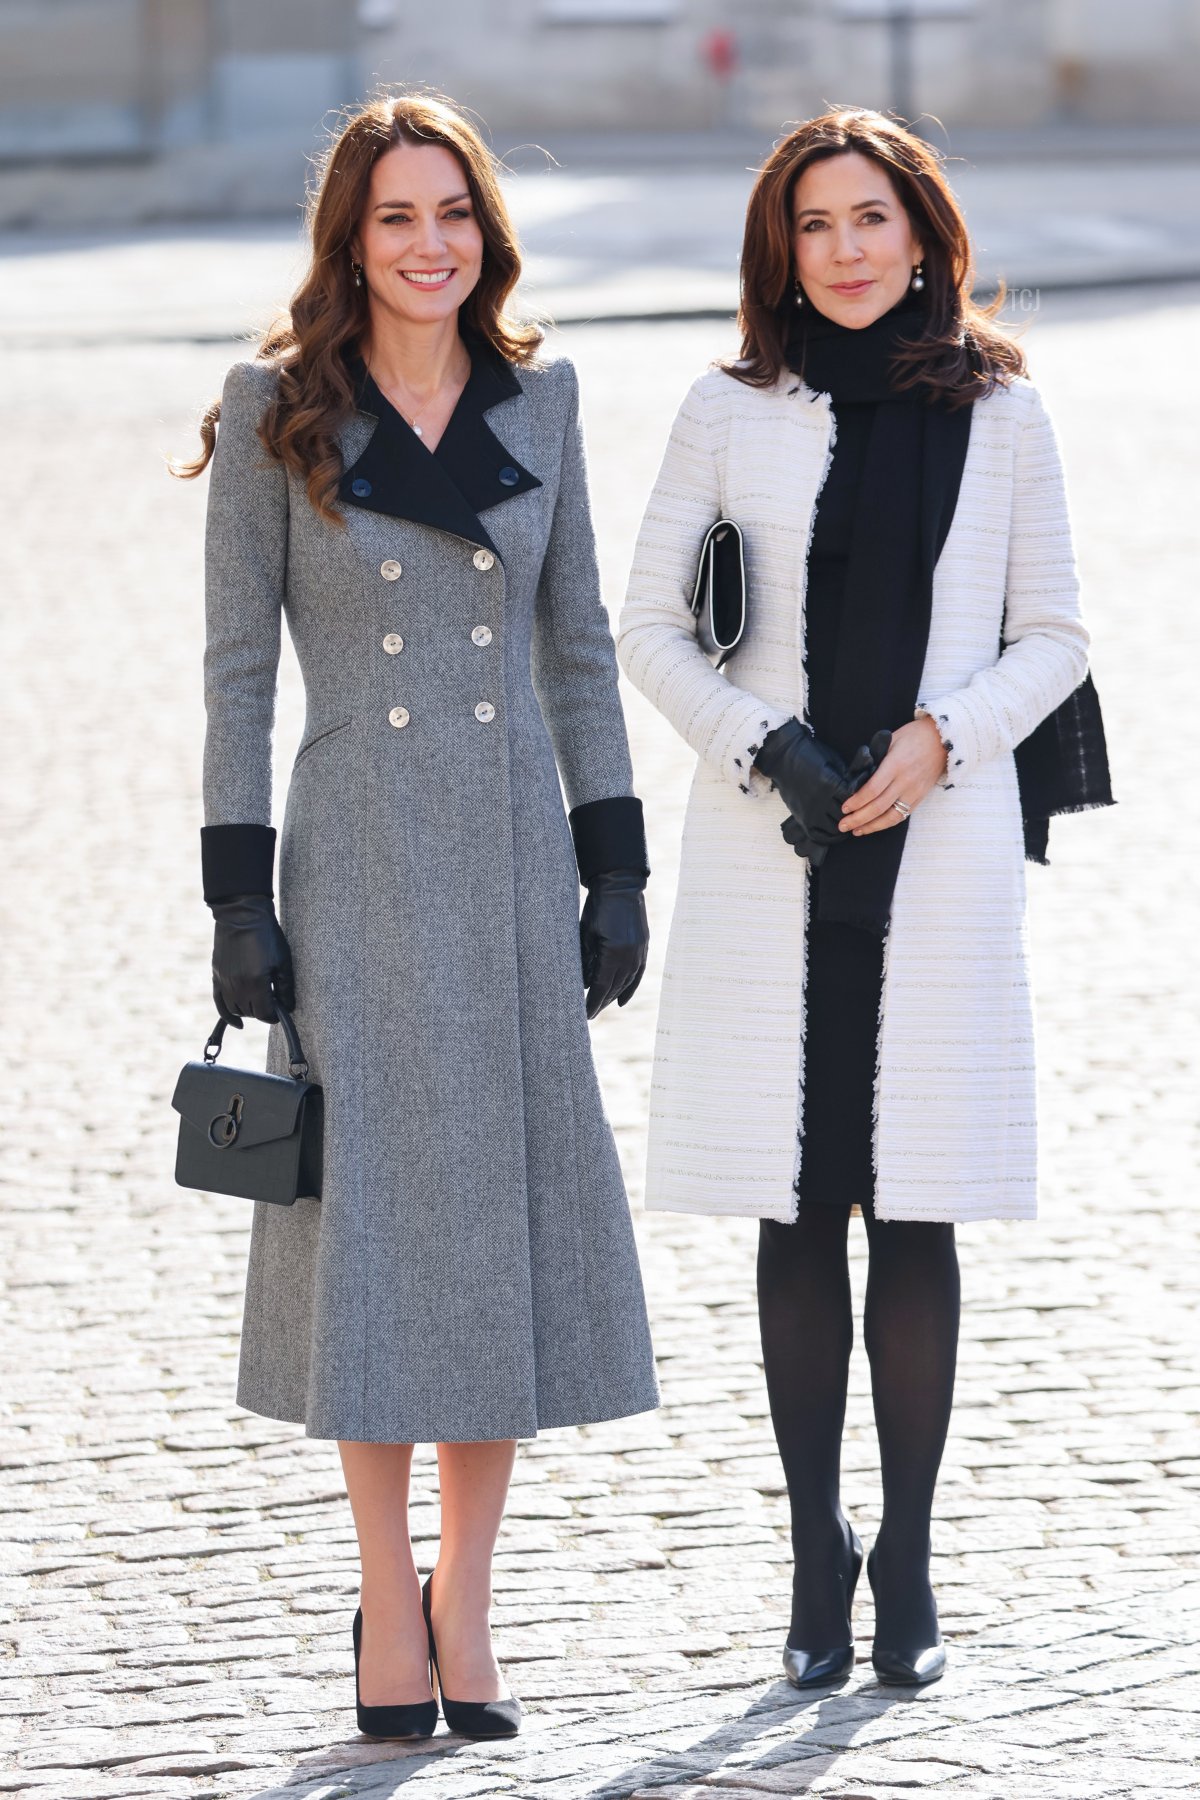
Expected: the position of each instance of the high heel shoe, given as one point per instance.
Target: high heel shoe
(470, 1718)
(816, 1668)
(902, 1668)
(412, 1721)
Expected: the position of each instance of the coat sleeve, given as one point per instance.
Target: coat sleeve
(245, 564)
(1044, 655)
(574, 667)
(656, 636)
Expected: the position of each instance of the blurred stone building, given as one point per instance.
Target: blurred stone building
(693, 64)
(139, 109)
(114, 109)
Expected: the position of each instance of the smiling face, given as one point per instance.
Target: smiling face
(419, 240)
(853, 247)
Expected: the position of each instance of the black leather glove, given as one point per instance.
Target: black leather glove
(831, 789)
(792, 833)
(250, 956)
(614, 937)
(812, 780)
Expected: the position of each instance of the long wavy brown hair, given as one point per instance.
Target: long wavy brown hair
(328, 313)
(962, 353)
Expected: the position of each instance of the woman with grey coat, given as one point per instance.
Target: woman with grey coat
(400, 473)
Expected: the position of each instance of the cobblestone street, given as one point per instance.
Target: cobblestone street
(178, 1577)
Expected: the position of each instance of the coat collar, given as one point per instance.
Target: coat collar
(469, 472)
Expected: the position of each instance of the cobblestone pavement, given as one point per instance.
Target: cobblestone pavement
(178, 1577)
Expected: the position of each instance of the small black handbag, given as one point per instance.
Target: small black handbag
(719, 596)
(242, 1132)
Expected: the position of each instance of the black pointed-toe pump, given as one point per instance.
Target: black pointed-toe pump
(909, 1667)
(470, 1718)
(817, 1668)
(413, 1721)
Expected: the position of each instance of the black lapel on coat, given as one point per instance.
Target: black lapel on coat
(469, 472)
(484, 472)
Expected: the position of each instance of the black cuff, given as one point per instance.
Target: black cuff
(609, 834)
(237, 859)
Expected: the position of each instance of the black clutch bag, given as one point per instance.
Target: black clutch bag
(245, 1133)
(719, 597)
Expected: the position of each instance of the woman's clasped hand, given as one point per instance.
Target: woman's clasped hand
(912, 766)
(829, 799)
(815, 783)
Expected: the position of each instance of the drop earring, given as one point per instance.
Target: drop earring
(799, 293)
(358, 273)
(918, 280)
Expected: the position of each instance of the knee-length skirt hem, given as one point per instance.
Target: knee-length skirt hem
(459, 1430)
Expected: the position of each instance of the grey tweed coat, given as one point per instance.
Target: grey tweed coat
(470, 1271)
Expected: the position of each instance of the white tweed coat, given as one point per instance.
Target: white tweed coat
(955, 1113)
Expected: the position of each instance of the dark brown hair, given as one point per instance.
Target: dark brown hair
(328, 313)
(962, 353)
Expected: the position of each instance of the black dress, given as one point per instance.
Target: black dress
(845, 964)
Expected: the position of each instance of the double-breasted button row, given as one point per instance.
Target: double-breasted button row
(393, 643)
(481, 635)
(391, 570)
(399, 716)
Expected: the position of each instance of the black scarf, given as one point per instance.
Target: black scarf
(911, 477)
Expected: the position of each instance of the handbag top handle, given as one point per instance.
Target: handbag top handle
(297, 1063)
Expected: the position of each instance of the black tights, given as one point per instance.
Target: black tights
(910, 1328)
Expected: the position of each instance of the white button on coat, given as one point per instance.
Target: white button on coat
(398, 716)
(390, 570)
(485, 712)
(393, 643)
(482, 635)
(483, 559)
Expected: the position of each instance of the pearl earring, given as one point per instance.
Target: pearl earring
(799, 293)
(918, 280)
(358, 273)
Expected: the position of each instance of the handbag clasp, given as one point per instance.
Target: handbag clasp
(223, 1129)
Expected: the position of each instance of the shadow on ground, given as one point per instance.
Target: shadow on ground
(807, 1733)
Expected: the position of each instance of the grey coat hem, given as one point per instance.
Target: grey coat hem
(469, 1428)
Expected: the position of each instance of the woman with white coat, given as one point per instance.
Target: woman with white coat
(852, 1031)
